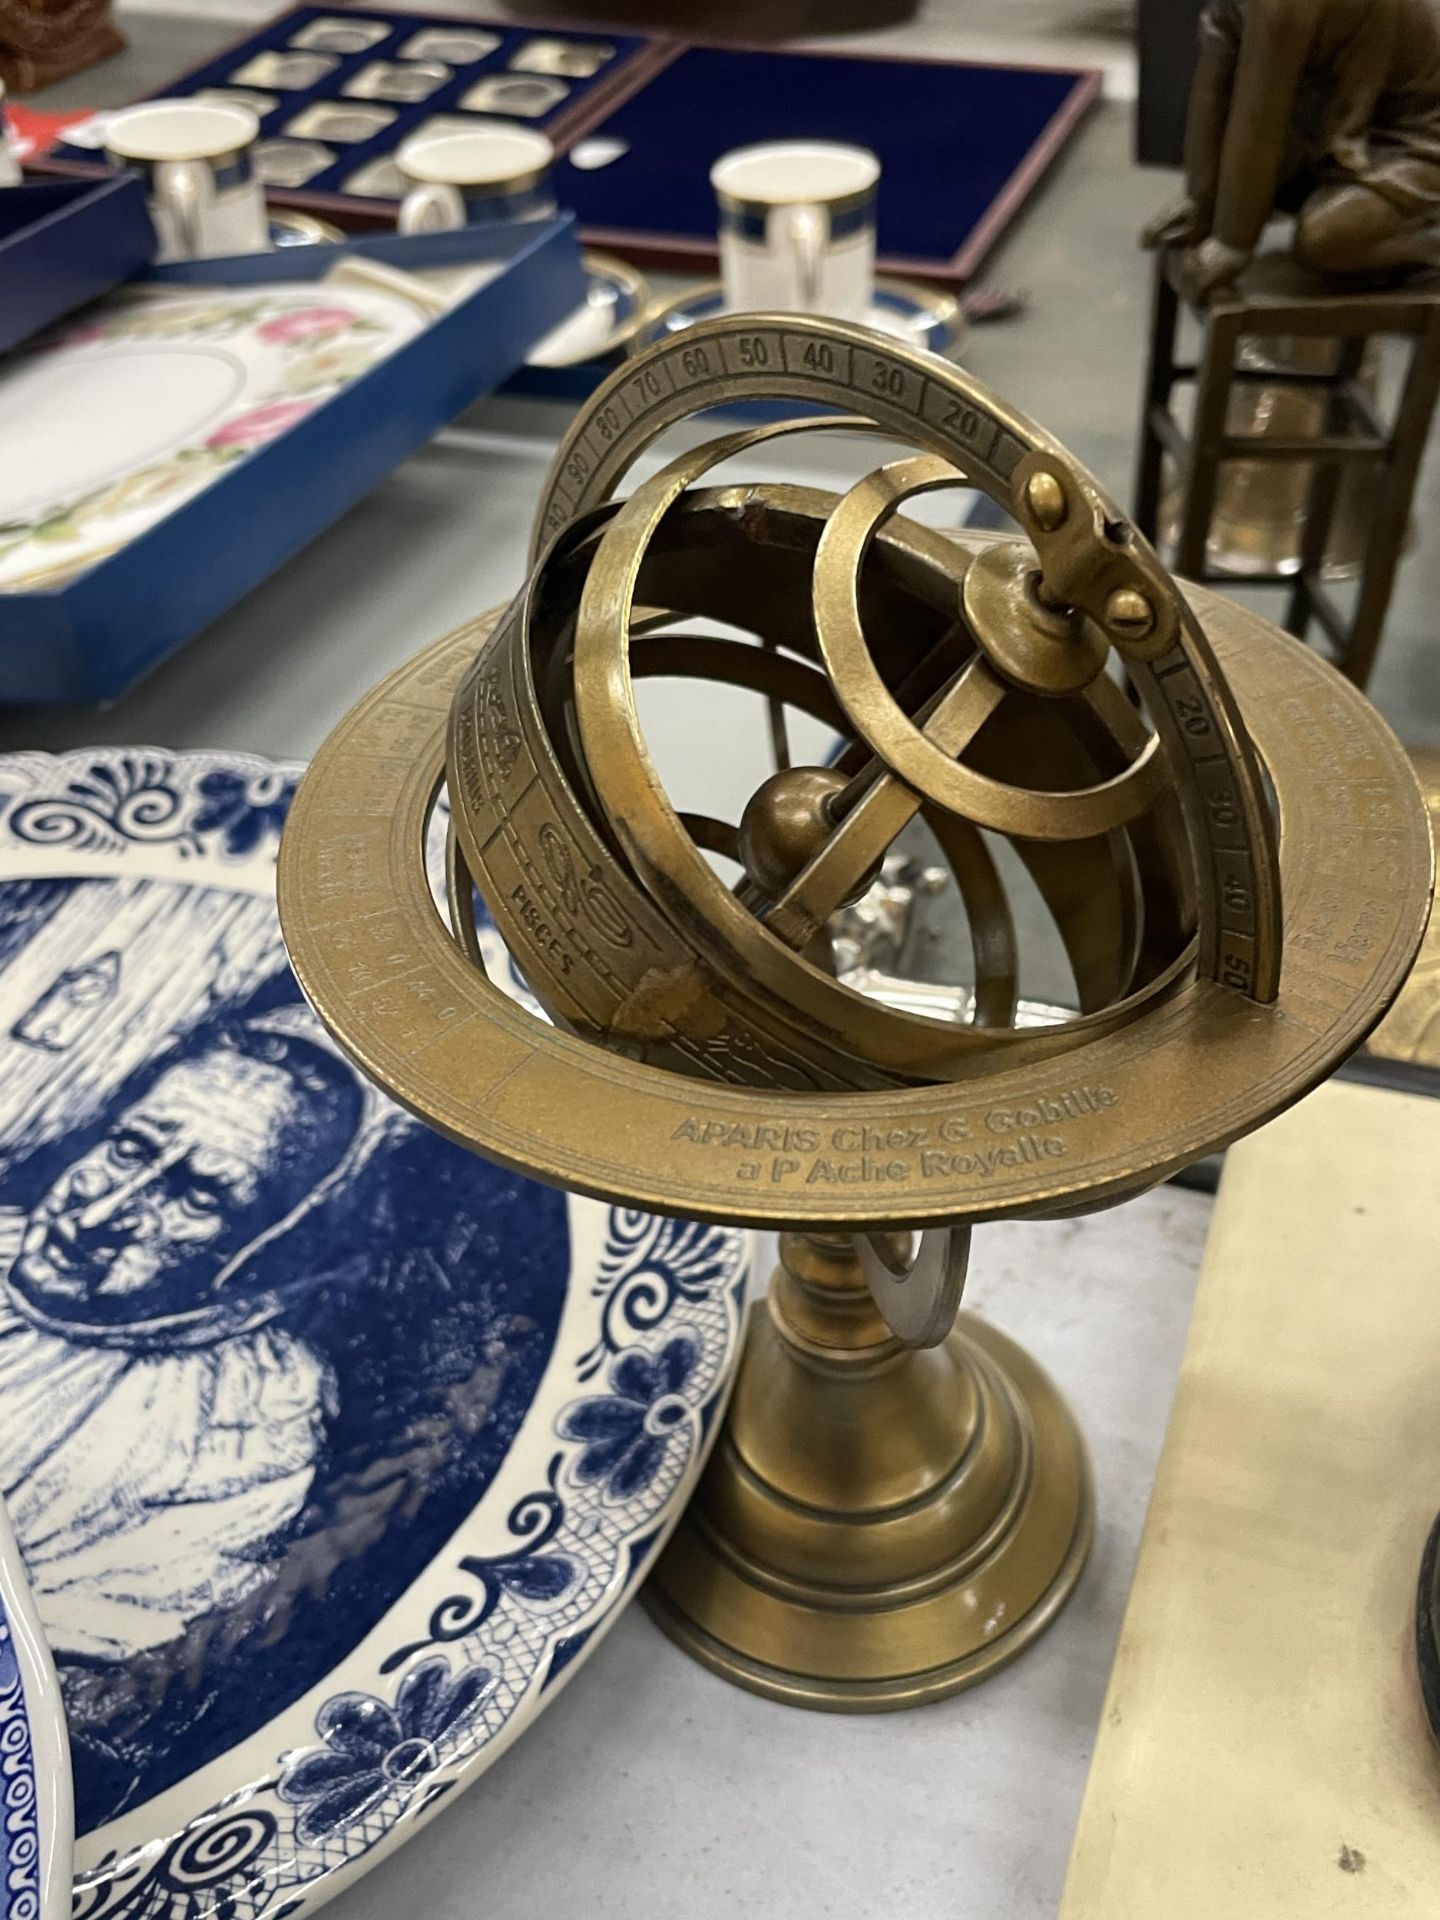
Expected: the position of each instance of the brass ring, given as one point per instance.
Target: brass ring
(743, 950)
(1118, 1112)
(936, 406)
(910, 750)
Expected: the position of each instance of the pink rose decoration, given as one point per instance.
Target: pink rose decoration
(308, 323)
(260, 424)
(63, 339)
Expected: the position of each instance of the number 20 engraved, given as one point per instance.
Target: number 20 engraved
(1190, 712)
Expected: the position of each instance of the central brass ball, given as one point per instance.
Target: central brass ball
(786, 822)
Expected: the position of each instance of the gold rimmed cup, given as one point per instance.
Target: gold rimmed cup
(478, 177)
(198, 160)
(797, 227)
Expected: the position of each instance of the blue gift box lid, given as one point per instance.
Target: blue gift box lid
(65, 242)
(91, 636)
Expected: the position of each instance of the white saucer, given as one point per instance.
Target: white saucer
(601, 329)
(921, 316)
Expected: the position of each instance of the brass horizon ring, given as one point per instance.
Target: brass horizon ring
(706, 1060)
(386, 975)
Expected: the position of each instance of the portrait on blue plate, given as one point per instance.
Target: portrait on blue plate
(263, 1339)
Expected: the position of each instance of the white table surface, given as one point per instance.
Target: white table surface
(651, 1788)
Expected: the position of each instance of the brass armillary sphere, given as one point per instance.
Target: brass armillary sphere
(1225, 838)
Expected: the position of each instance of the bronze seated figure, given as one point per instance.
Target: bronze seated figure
(1325, 109)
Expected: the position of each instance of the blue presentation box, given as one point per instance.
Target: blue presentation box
(89, 639)
(65, 242)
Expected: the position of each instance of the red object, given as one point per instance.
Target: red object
(33, 133)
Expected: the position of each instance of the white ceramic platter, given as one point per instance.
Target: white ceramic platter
(36, 1815)
(120, 416)
(329, 1448)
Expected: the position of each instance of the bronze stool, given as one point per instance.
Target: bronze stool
(1276, 299)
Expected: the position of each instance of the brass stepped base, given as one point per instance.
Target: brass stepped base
(879, 1525)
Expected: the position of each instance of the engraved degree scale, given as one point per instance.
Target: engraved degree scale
(1227, 839)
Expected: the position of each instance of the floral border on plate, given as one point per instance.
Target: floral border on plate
(627, 1445)
(20, 1889)
(323, 343)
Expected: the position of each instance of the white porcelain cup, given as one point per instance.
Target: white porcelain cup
(206, 198)
(797, 227)
(475, 177)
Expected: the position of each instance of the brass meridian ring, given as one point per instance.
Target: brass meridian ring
(1119, 1111)
(1090, 558)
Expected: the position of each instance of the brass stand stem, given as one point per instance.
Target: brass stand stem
(879, 1525)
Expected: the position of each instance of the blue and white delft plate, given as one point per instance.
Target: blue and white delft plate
(36, 1814)
(920, 316)
(329, 1448)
